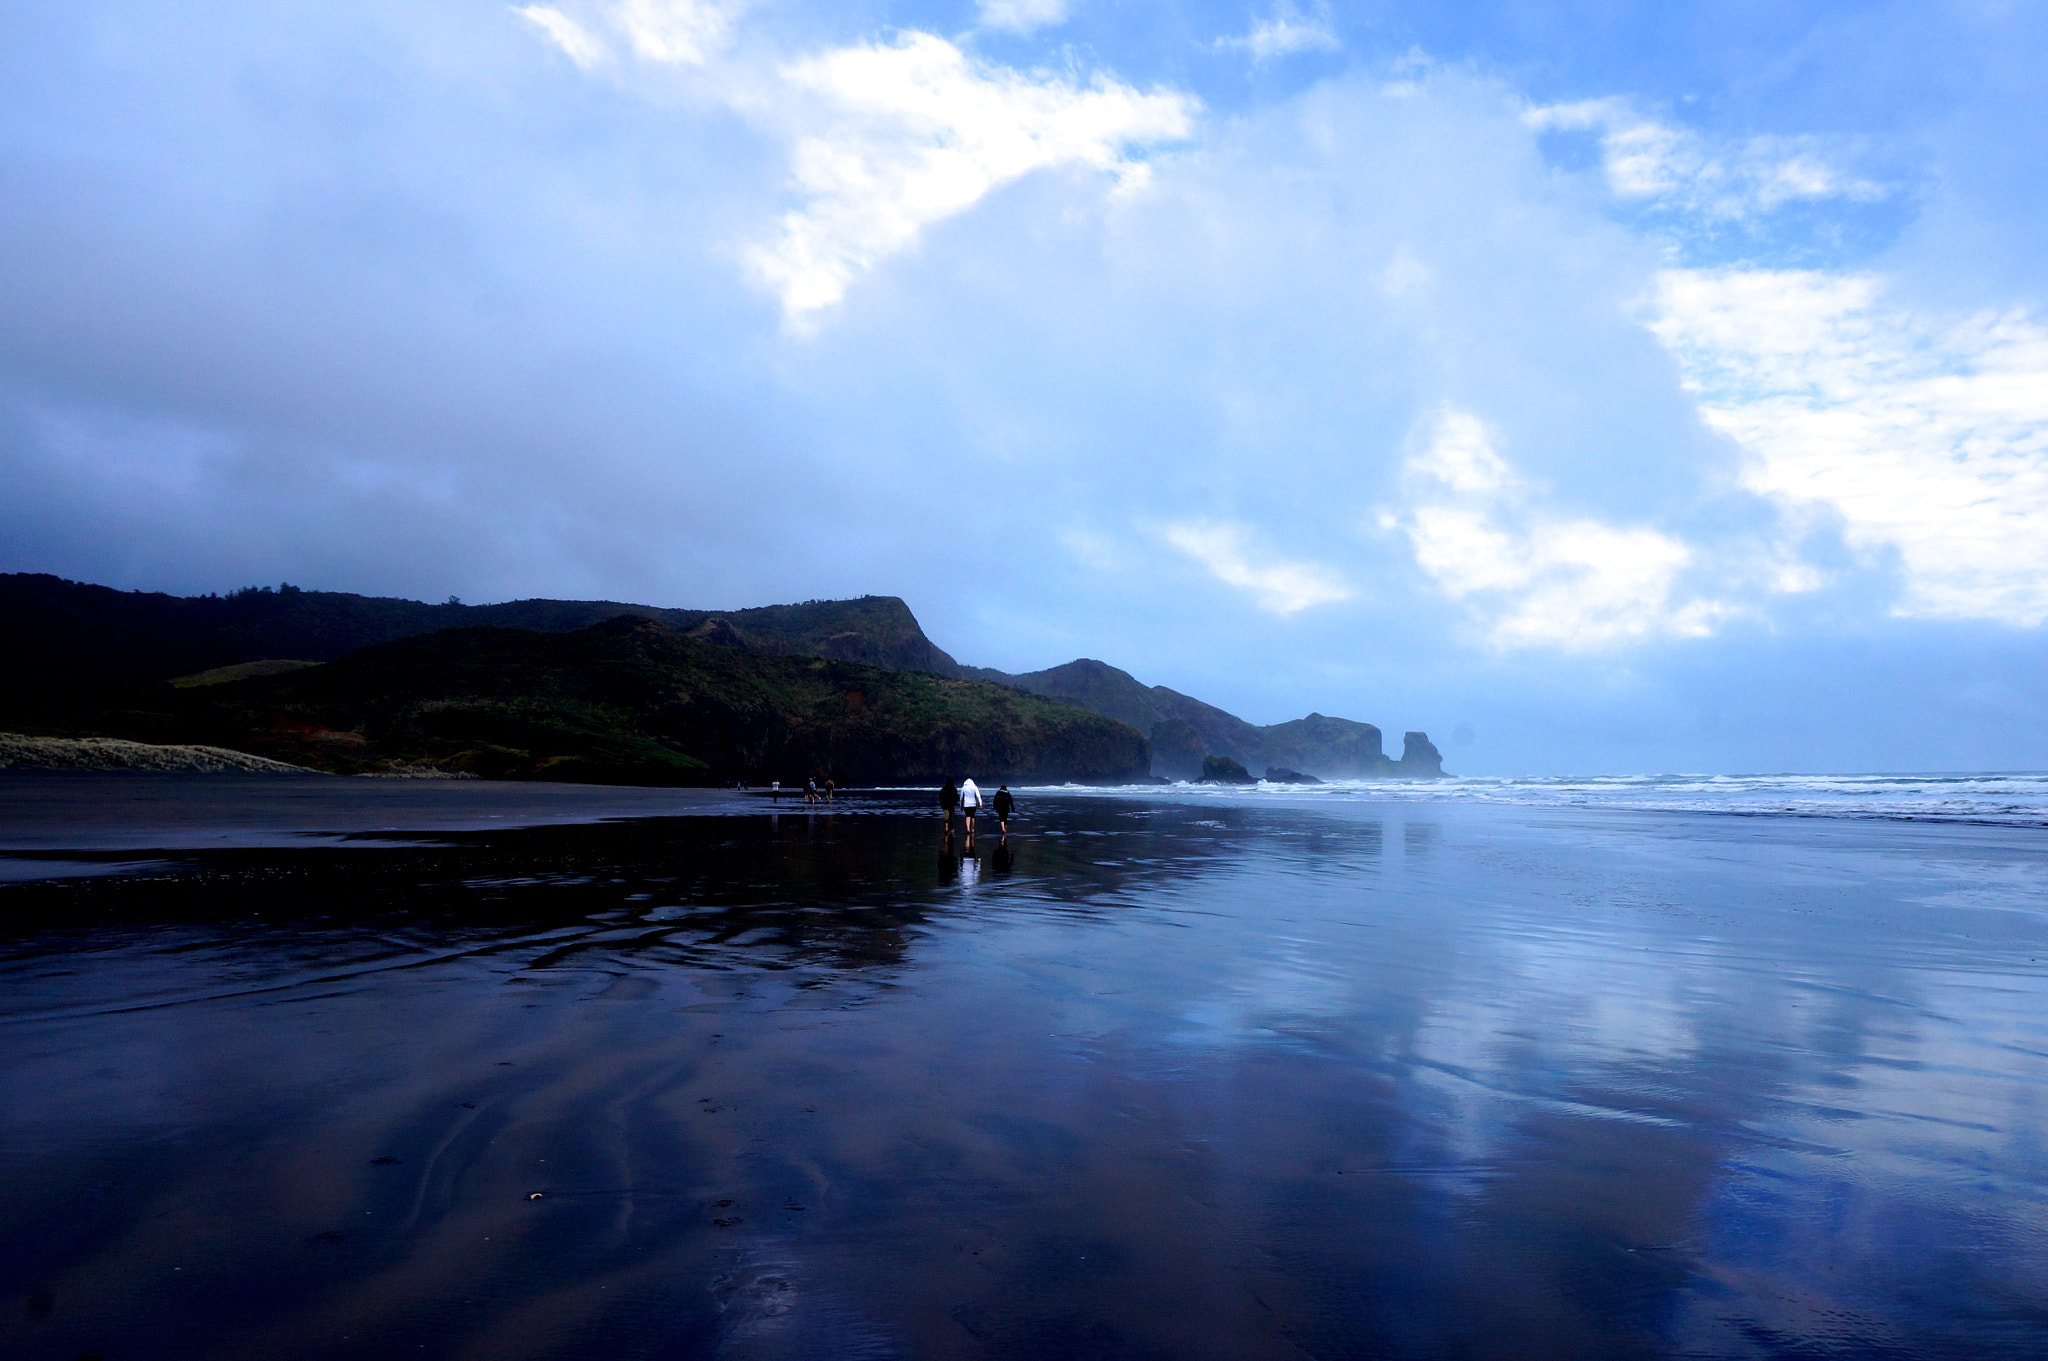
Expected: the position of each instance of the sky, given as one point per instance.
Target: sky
(1599, 387)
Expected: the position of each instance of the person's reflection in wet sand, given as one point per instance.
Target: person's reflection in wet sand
(1004, 857)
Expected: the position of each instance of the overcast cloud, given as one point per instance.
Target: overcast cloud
(1598, 395)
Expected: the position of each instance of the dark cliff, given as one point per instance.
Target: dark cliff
(635, 701)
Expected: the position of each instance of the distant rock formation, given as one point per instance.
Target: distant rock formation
(1223, 770)
(1278, 775)
(1420, 760)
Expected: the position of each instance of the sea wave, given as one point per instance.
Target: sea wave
(2004, 798)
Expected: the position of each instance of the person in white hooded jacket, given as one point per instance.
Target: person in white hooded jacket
(970, 804)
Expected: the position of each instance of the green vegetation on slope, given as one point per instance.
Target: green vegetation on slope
(634, 701)
(68, 637)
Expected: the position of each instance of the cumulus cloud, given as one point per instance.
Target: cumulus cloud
(1535, 579)
(1022, 16)
(1927, 436)
(1278, 587)
(886, 138)
(911, 132)
(1653, 162)
(1286, 31)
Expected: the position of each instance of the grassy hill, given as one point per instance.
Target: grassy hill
(630, 701)
(1183, 730)
(65, 637)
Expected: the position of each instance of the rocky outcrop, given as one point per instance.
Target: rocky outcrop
(1278, 775)
(1223, 770)
(1420, 760)
(1335, 748)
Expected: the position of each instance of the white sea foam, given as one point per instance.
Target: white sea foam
(2007, 798)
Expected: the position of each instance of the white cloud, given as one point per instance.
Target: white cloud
(1927, 436)
(886, 138)
(916, 131)
(685, 32)
(1651, 161)
(1022, 16)
(582, 46)
(1284, 32)
(1278, 587)
(1535, 579)
(1461, 455)
(672, 32)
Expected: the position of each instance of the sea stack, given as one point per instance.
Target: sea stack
(1420, 760)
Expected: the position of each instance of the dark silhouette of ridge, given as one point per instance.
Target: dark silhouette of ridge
(76, 646)
(1185, 732)
(68, 637)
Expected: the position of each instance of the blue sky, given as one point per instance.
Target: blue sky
(1597, 386)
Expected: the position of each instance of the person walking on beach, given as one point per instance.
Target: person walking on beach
(829, 787)
(1004, 805)
(949, 799)
(810, 790)
(775, 791)
(970, 804)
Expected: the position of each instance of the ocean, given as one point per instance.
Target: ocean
(1661, 1067)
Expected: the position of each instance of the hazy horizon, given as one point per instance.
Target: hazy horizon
(1597, 391)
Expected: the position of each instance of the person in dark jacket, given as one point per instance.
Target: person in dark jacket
(1004, 805)
(949, 799)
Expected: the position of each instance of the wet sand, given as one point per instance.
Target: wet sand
(1162, 1078)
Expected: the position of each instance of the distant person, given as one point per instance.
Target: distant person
(949, 799)
(775, 791)
(1003, 805)
(829, 787)
(810, 791)
(970, 804)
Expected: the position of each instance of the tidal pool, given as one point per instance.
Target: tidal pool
(1159, 1077)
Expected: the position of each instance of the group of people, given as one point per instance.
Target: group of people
(813, 791)
(964, 800)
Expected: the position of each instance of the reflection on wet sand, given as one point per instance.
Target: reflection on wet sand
(1147, 1080)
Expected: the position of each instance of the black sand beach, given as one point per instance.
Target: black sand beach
(473, 1073)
